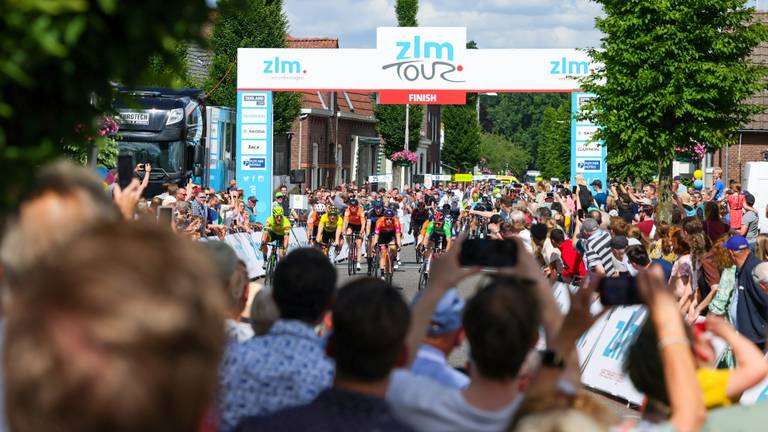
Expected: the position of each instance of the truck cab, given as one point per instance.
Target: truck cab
(163, 127)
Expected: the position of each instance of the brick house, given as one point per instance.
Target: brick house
(334, 139)
(752, 142)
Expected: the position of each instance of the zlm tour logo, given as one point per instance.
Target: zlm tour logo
(420, 55)
(425, 60)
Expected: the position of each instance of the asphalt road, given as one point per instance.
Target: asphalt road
(407, 278)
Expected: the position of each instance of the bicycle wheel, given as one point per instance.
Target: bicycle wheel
(423, 278)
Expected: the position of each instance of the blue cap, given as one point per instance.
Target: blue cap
(447, 315)
(737, 243)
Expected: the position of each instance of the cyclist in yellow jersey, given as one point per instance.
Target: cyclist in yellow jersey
(276, 229)
(330, 228)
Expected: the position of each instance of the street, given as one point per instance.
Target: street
(407, 278)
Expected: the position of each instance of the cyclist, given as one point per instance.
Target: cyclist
(438, 234)
(329, 229)
(276, 229)
(387, 229)
(377, 211)
(419, 214)
(313, 221)
(354, 219)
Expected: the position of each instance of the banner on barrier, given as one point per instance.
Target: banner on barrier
(604, 369)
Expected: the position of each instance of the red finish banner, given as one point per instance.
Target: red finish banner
(423, 97)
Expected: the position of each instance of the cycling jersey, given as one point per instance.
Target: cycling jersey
(354, 218)
(275, 228)
(383, 227)
(445, 229)
(328, 226)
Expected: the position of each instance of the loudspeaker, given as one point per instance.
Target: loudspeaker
(297, 176)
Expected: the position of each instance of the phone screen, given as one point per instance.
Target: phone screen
(617, 291)
(488, 253)
(164, 215)
(124, 170)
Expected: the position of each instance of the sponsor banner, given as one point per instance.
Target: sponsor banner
(587, 155)
(423, 97)
(384, 178)
(250, 132)
(254, 148)
(604, 368)
(413, 58)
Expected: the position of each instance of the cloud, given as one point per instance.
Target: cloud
(491, 23)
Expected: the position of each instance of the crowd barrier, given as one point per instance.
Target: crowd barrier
(246, 246)
(601, 350)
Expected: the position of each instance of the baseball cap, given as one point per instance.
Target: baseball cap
(447, 315)
(737, 243)
(619, 242)
(589, 226)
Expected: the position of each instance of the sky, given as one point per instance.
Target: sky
(491, 23)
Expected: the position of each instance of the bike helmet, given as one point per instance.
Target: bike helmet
(277, 211)
(353, 203)
(389, 213)
(320, 208)
(333, 211)
(438, 217)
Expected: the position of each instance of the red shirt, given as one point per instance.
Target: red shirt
(573, 264)
(646, 226)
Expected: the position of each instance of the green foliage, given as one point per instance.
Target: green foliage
(248, 24)
(501, 155)
(176, 75)
(391, 126)
(406, 11)
(518, 116)
(106, 155)
(554, 149)
(57, 60)
(462, 137)
(674, 71)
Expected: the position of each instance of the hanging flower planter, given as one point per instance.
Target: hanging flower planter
(404, 158)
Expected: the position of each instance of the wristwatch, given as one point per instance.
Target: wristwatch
(551, 359)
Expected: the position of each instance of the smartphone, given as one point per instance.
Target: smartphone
(164, 215)
(488, 253)
(618, 291)
(124, 170)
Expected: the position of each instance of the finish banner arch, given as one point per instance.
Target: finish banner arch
(410, 65)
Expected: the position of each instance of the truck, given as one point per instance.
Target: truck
(177, 134)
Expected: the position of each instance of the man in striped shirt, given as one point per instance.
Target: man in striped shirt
(597, 248)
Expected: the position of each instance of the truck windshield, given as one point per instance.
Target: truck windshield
(166, 155)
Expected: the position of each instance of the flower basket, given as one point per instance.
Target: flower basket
(404, 158)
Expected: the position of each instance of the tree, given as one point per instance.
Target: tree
(501, 155)
(391, 127)
(674, 72)
(461, 149)
(406, 11)
(518, 116)
(58, 60)
(248, 24)
(391, 118)
(554, 149)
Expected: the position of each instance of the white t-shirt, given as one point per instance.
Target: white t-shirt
(426, 405)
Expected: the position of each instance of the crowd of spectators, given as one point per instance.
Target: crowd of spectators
(113, 322)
